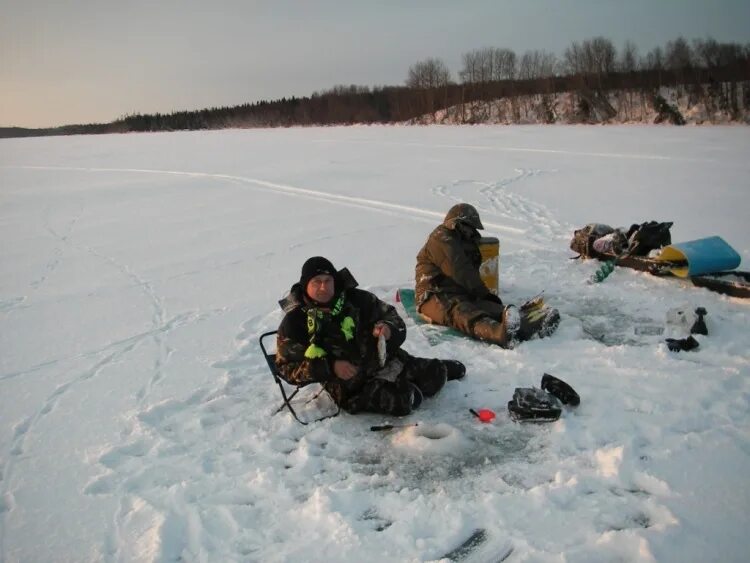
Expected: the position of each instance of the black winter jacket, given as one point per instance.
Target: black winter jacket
(334, 335)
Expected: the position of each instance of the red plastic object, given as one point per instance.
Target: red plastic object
(484, 415)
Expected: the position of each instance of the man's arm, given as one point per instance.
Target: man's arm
(291, 345)
(387, 314)
(456, 265)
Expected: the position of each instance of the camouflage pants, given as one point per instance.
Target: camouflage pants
(458, 313)
(366, 393)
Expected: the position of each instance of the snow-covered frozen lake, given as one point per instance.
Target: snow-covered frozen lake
(136, 411)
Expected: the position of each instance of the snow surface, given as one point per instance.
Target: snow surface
(138, 272)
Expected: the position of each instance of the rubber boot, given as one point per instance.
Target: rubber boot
(538, 322)
(502, 333)
(454, 369)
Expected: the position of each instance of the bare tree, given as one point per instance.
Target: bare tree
(505, 64)
(592, 56)
(678, 55)
(709, 53)
(654, 59)
(706, 52)
(429, 76)
(603, 55)
(472, 69)
(487, 65)
(573, 59)
(537, 64)
(429, 73)
(629, 57)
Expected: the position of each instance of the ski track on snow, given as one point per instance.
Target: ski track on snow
(158, 319)
(9, 304)
(402, 211)
(146, 472)
(160, 327)
(158, 315)
(57, 252)
(494, 148)
(112, 353)
(538, 222)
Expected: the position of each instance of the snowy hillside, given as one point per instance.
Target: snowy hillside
(697, 106)
(136, 409)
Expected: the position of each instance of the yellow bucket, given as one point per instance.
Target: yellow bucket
(488, 270)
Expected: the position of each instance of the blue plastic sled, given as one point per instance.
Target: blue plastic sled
(702, 256)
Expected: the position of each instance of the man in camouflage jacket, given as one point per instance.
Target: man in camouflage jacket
(450, 290)
(330, 335)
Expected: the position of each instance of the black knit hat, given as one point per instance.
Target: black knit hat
(316, 266)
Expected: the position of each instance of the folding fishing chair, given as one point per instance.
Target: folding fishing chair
(279, 379)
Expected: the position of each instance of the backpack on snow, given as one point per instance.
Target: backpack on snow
(583, 239)
(641, 238)
(648, 236)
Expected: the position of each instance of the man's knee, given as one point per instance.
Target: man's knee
(429, 375)
(433, 310)
(384, 397)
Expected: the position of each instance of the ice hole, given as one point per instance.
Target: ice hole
(434, 432)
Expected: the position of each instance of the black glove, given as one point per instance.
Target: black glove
(686, 344)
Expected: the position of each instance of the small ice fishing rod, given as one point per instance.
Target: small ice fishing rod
(383, 427)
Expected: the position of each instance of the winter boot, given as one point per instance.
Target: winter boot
(502, 333)
(538, 319)
(454, 369)
(428, 375)
(416, 397)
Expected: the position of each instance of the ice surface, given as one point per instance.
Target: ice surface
(139, 270)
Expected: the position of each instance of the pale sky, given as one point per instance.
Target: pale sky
(84, 61)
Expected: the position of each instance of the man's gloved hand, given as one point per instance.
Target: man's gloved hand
(344, 370)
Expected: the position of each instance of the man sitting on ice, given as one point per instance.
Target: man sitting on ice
(330, 334)
(450, 291)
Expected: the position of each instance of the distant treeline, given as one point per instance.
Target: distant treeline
(590, 69)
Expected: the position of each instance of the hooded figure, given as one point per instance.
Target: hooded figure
(450, 290)
(330, 335)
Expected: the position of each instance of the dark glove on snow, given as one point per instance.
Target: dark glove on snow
(685, 344)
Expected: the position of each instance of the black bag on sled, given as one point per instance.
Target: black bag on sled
(649, 236)
(638, 241)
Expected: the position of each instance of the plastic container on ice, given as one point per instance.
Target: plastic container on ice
(489, 247)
